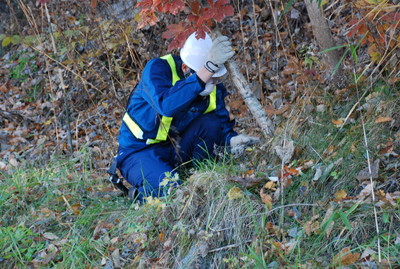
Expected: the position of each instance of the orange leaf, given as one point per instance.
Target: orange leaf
(345, 257)
(266, 198)
(331, 148)
(383, 119)
(278, 245)
(161, 236)
(249, 172)
(338, 122)
(291, 170)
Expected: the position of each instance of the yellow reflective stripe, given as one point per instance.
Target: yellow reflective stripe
(172, 65)
(133, 127)
(163, 129)
(162, 132)
(152, 141)
(213, 101)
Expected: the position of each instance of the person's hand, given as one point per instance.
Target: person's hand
(208, 89)
(240, 142)
(221, 51)
(243, 140)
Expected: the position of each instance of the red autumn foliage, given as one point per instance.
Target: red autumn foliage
(195, 17)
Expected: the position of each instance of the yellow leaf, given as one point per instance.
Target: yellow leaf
(339, 195)
(235, 193)
(338, 122)
(374, 53)
(154, 202)
(270, 185)
(6, 41)
(48, 122)
(345, 257)
(383, 119)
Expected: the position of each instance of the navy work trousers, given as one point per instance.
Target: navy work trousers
(147, 168)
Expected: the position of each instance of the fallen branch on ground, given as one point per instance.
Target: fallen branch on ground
(251, 101)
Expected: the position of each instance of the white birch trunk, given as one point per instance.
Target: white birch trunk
(251, 101)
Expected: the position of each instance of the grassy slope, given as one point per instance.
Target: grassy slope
(65, 215)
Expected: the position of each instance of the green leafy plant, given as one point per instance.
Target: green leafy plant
(18, 242)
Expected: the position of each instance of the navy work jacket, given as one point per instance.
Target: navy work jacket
(155, 96)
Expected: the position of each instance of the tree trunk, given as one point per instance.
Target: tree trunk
(323, 34)
(252, 103)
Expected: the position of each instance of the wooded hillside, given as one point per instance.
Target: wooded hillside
(321, 191)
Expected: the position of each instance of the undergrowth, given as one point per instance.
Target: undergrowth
(65, 215)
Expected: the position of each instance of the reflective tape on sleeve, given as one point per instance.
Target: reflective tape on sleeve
(133, 127)
(213, 101)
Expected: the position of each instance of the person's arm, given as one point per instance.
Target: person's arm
(204, 74)
(165, 98)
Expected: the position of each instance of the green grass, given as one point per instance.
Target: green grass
(57, 199)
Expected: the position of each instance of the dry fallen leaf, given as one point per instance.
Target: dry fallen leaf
(13, 162)
(247, 182)
(383, 119)
(345, 257)
(50, 236)
(340, 194)
(364, 193)
(318, 174)
(2, 166)
(266, 198)
(364, 174)
(270, 185)
(338, 123)
(45, 256)
(311, 227)
(235, 193)
(285, 153)
(103, 261)
(367, 252)
(76, 208)
(116, 258)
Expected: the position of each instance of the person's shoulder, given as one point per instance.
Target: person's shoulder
(156, 63)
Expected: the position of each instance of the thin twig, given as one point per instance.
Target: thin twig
(258, 56)
(370, 174)
(230, 246)
(244, 42)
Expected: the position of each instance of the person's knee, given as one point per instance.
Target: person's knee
(158, 186)
(210, 126)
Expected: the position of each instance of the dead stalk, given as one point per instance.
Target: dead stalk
(230, 246)
(277, 208)
(63, 86)
(370, 173)
(260, 76)
(244, 43)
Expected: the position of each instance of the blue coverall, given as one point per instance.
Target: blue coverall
(191, 135)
